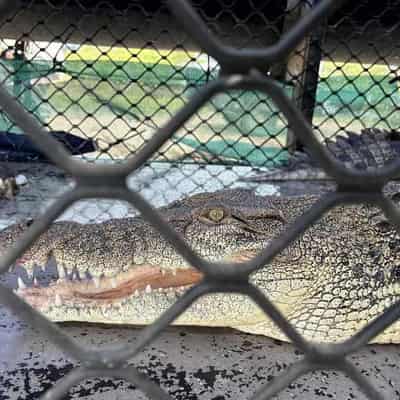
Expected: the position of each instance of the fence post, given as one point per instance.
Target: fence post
(302, 68)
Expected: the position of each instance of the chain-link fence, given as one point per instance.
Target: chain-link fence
(112, 73)
(163, 99)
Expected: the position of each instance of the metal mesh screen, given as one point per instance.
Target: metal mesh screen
(111, 73)
(240, 69)
(118, 71)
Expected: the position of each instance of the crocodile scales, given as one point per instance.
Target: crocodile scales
(370, 149)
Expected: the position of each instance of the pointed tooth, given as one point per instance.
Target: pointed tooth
(113, 283)
(136, 293)
(35, 282)
(58, 301)
(163, 271)
(20, 283)
(76, 275)
(174, 272)
(61, 272)
(96, 282)
(148, 289)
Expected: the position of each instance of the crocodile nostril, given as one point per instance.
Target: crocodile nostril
(394, 244)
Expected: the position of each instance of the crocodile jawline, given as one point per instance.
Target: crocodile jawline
(136, 281)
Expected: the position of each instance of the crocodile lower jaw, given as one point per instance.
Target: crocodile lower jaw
(137, 281)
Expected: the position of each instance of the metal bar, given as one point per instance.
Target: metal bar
(371, 330)
(129, 374)
(281, 382)
(46, 327)
(38, 227)
(279, 319)
(303, 70)
(363, 383)
(121, 353)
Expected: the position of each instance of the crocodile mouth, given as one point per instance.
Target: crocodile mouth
(68, 288)
(139, 280)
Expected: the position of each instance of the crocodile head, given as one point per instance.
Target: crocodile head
(123, 271)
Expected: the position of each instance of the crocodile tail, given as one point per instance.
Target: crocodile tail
(372, 148)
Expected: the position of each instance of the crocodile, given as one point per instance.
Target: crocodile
(369, 149)
(343, 272)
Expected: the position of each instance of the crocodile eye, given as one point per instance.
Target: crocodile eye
(216, 214)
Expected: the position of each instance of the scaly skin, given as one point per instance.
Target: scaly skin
(370, 148)
(341, 274)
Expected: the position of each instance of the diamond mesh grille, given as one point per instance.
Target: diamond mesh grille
(149, 95)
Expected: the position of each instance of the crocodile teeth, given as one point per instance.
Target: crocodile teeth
(96, 282)
(61, 272)
(75, 275)
(35, 282)
(113, 283)
(136, 293)
(174, 272)
(58, 301)
(148, 289)
(20, 283)
(163, 272)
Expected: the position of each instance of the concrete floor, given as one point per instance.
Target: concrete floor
(189, 363)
